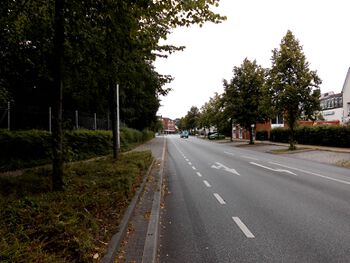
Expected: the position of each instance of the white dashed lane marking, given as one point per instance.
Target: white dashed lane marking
(206, 183)
(219, 198)
(243, 227)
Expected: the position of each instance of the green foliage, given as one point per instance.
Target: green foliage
(294, 87)
(324, 135)
(94, 57)
(19, 149)
(37, 225)
(244, 95)
(262, 135)
(192, 118)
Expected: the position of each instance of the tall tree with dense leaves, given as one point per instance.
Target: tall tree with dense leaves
(213, 114)
(244, 95)
(192, 118)
(294, 87)
(105, 43)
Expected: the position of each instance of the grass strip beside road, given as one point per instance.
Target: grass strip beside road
(37, 225)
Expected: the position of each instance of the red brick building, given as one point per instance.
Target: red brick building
(169, 126)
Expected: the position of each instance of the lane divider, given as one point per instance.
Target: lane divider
(243, 227)
(206, 183)
(219, 198)
(316, 174)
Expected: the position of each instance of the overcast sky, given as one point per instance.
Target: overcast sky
(252, 29)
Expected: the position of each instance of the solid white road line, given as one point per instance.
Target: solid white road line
(206, 183)
(307, 172)
(271, 169)
(199, 174)
(243, 227)
(219, 198)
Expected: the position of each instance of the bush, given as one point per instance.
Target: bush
(21, 149)
(323, 135)
(279, 135)
(262, 135)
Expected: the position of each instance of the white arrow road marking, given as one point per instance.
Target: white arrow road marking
(271, 169)
(319, 175)
(220, 165)
(243, 227)
(219, 198)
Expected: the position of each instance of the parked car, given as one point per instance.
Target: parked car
(184, 134)
(216, 136)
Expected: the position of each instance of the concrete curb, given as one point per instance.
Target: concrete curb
(117, 238)
(151, 243)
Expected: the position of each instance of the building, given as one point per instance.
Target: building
(336, 107)
(331, 106)
(169, 126)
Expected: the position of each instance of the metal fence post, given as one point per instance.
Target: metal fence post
(8, 115)
(108, 128)
(76, 120)
(95, 122)
(50, 119)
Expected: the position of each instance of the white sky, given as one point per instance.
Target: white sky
(252, 29)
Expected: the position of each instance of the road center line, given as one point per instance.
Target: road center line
(199, 174)
(316, 174)
(206, 183)
(219, 198)
(243, 227)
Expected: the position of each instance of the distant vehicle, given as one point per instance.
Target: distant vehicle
(184, 134)
(216, 136)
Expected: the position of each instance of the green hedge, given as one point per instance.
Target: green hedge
(20, 149)
(262, 135)
(334, 136)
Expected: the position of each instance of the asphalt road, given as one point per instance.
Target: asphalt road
(229, 204)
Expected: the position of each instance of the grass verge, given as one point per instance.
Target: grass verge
(37, 225)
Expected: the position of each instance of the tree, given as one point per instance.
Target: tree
(104, 43)
(192, 118)
(294, 87)
(244, 95)
(213, 114)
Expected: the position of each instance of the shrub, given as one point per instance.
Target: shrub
(324, 135)
(21, 149)
(262, 135)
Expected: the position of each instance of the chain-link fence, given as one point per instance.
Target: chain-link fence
(14, 117)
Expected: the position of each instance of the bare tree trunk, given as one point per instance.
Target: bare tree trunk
(57, 134)
(251, 141)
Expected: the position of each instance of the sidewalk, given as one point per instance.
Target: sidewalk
(323, 154)
(132, 248)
